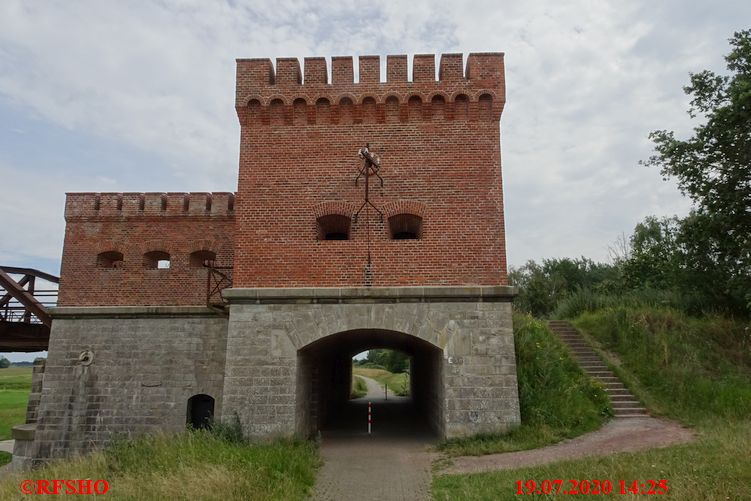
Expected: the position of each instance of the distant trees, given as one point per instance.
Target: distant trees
(4, 363)
(391, 360)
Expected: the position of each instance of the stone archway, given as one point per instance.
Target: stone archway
(272, 332)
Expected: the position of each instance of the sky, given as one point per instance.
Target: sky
(139, 96)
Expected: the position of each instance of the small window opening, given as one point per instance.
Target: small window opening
(202, 258)
(333, 227)
(200, 411)
(109, 259)
(405, 227)
(156, 260)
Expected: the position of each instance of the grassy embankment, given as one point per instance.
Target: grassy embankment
(191, 465)
(15, 385)
(398, 384)
(359, 388)
(696, 370)
(557, 400)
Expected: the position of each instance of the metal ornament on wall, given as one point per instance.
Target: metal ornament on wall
(370, 167)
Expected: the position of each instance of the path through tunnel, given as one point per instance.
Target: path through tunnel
(324, 383)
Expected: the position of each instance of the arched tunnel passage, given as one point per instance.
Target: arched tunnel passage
(324, 380)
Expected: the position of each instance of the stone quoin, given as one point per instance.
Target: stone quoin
(174, 307)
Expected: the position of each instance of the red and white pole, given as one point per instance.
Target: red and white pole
(370, 416)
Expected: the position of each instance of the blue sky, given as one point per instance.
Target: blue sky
(138, 96)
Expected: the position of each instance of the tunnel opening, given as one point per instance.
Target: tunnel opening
(379, 373)
(324, 386)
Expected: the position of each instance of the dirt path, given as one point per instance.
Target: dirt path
(619, 435)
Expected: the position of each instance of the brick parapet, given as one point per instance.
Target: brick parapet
(103, 206)
(291, 95)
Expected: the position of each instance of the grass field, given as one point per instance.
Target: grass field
(190, 465)
(15, 385)
(398, 384)
(695, 370)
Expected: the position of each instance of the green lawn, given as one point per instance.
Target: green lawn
(695, 370)
(15, 386)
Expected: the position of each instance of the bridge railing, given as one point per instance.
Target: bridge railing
(26, 294)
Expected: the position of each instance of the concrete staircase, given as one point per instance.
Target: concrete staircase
(625, 405)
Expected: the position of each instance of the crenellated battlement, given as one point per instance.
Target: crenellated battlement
(109, 205)
(293, 95)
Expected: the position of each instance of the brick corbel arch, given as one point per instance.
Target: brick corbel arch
(403, 207)
(334, 208)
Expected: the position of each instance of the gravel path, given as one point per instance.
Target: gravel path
(619, 435)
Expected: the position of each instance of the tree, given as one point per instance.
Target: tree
(543, 286)
(713, 168)
(4, 363)
(392, 360)
(654, 258)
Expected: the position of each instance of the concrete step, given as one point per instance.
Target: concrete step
(594, 367)
(623, 398)
(624, 404)
(617, 392)
(599, 371)
(628, 409)
(614, 386)
(631, 413)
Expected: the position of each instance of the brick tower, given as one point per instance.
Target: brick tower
(424, 270)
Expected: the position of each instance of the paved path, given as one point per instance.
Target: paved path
(391, 464)
(618, 435)
(6, 445)
(376, 392)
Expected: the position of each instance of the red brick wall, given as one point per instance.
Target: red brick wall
(136, 223)
(298, 160)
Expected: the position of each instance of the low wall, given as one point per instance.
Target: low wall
(124, 371)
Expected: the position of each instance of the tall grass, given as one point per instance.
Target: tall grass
(359, 388)
(583, 300)
(695, 368)
(557, 400)
(192, 465)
